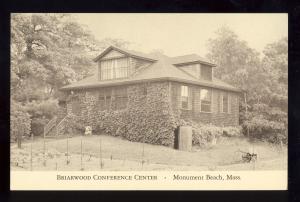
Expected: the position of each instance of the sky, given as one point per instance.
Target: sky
(180, 34)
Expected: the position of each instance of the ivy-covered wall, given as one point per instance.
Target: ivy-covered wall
(151, 116)
(148, 117)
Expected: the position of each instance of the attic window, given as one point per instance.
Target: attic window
(206, 72)
(114, 68)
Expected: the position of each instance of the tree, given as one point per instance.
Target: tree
(263, 81)
(49, 51)
(20, 122)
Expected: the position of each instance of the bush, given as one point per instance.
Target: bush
(41, 113)
(271, 131)
(20, 121)
(267, 123)
(75, 123)
(46, 108)
(203, 134)
(232, 131)
(37, 126)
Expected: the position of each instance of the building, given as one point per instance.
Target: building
(188, 80)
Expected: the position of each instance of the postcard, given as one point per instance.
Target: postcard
(149, 101)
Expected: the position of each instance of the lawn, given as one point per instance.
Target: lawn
(120, 154)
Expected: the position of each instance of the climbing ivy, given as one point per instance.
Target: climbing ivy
(148, 117)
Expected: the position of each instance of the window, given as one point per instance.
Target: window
(113, 69)
(104, 100)
(225, 103)
(106, 69)
(121, 98)
(205, 100)
(121, 68)
(76, 106)
(206, 72)
(193, 69)
(184, 97)
(101, 102)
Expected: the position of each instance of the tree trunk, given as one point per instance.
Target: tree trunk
(19, 141)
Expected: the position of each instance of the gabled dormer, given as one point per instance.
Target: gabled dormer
(116, 63)
(195, 66)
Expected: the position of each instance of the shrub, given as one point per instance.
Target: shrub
(267, 122)
(41, 113)
(20, 121)
(232, 131)
(75, 123)
(263, 129)
(37, 126)
(47, 108)
(203, 134)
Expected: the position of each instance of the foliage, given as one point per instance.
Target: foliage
(47, 52)
(20, 121)
(230, 131)
(41, 113)
(262, 79)
(148, 117)
(267, 123)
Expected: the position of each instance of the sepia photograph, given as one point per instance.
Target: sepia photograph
(148, 92)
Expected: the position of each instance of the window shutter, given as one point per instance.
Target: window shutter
(190, 98)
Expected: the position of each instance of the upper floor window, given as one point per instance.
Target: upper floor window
(225, 103)
(206, 72)
(114, 68)
(200, 71)
(185, 97)
(205, 100)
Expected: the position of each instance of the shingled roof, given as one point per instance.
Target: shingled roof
(161, 68)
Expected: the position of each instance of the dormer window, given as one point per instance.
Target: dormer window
(114, 68)
(200, 71)
(206, 72)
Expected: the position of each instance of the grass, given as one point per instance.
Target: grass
(120, 154)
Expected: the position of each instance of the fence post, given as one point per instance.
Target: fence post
(282, 152)
(143, 151)
(68, 149)
(81, 153)
(31, 151)
(56, 138)
(100, 152)
(44, 148)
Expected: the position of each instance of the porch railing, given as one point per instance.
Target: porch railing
(49, 126)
